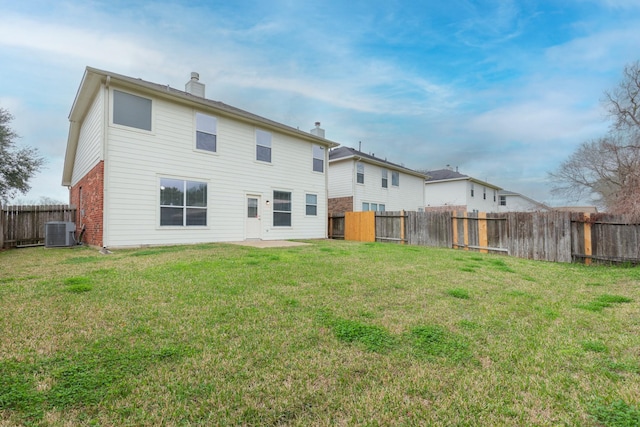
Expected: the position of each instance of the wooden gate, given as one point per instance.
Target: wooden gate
(360, 226)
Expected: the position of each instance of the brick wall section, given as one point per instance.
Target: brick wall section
(89, 212)
(340, 205)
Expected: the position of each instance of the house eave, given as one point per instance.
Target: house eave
(381, 163)
(207, 104)
(93, 78)
(465, 178)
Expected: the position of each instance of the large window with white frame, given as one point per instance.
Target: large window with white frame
(206, 132)
(360, 173)
(281, 208)
(385, 178)
(131, 110)
(263, 146)
(318, 158)
(395, 178)
(182, 202)
(311, 205)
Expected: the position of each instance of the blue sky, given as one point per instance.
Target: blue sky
(505, 90)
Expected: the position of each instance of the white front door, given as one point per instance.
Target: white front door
(252, 218)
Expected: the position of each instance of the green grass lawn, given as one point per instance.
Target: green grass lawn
(334, 333)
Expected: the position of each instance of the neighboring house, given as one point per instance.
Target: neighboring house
(516, 202)
(446, 189)
(363, 182)
(147, 164)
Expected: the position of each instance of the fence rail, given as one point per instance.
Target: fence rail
(24, 225)
(550, 236)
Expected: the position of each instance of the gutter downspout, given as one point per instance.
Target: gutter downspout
(105, 170)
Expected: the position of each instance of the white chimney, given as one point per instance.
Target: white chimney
(317, 131)
(194, 87)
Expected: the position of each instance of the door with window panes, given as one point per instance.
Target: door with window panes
(252, 217)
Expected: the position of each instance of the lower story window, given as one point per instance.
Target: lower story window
(312, 204)
(378, 207)
(282, 209)
(183, 203)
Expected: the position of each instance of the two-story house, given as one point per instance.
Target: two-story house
(446, 189)
(363, 182)
(147, 164)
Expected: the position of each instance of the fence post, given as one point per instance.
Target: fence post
(588, 250)
(454, 226)
(402, 234)
(483, 241)
(1, 226)
(465, 227)
(330, 227)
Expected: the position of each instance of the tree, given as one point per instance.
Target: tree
(608, 168)
(17, 165)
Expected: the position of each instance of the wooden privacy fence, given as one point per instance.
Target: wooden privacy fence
(550, 236)
(24, 225)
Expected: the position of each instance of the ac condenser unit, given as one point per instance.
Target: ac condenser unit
(59, 234)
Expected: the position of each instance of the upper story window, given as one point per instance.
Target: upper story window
(206, 132)
(183, 203)
(263, 146)
(360, 173)
(503, 200)
(318, 158)
(395, 178)
(385, 179)
(131, 110)
(472, 189)
(494, 195)
(484, 193)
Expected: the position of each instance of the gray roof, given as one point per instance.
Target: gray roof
(442, 174)
(347, 152)
(451, 175)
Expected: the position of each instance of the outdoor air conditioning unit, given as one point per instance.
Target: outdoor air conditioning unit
(59, 234)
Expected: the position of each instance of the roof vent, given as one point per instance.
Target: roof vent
(317, 131)
(194, 87)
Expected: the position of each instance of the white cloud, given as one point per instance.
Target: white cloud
(90, 46)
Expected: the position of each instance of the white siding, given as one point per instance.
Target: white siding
(89, 151)
(458, 193)
(450, 193)
(478, 202)
(409, 195)
(136, 160)
(517, 203)
(341, 178)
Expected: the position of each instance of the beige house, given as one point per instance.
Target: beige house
(147, 164)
